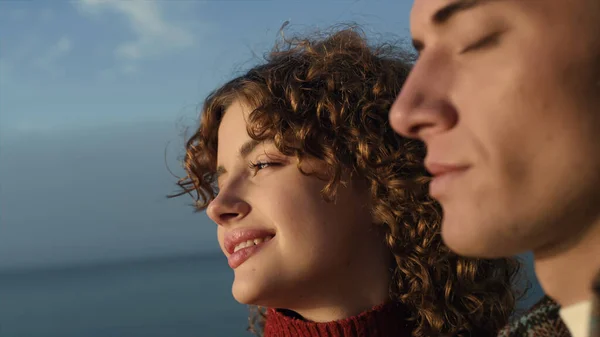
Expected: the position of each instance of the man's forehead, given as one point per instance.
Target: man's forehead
(436, 12)
(439, 12)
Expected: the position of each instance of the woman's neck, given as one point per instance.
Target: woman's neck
(339, 305)
(359, 287)
(388, 319)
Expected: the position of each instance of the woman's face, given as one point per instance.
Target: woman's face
(287, 246)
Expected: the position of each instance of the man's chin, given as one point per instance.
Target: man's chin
(468, 241)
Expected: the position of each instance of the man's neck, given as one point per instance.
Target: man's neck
(566, 274)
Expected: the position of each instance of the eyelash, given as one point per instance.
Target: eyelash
(261, 165)
(487, 41)
(253, 166)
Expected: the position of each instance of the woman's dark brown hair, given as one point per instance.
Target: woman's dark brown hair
(328, 97)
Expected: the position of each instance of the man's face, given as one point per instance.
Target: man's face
(506, 95)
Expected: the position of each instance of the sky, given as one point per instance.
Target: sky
(95, 98)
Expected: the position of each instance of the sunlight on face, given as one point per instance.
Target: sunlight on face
(309, 252)
(505, 95)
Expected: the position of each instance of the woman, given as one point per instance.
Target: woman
(322, 210)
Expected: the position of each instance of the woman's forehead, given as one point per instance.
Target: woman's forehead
(233, 127)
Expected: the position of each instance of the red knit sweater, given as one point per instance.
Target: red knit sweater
(387, 320)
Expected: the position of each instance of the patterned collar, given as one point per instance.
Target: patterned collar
(542, 320)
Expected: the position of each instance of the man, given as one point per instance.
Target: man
(506, 95)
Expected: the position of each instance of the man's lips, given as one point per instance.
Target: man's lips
(440, 169)
(443, 176)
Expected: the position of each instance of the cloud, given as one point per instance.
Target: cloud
(112, 74)
(155, 35)
(48, 59)
(129, 68)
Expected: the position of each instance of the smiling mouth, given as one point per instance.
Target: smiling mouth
(243, 250)
(251, 243)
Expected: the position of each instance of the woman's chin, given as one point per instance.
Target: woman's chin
(258, 293)
(246, 292)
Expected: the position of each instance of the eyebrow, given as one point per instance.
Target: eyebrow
(445, 13)
(442, 15)
(244, 151)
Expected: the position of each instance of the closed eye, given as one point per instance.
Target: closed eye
(485, 42)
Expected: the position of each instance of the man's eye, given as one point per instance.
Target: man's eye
(486, 42)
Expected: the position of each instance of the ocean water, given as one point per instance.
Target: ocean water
(182, 297)
(185, 297)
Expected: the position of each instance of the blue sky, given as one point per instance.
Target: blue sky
(93, 92)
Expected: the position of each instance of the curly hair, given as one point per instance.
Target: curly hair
(328, 97)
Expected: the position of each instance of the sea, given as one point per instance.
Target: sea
(185, 296)
(188, 296)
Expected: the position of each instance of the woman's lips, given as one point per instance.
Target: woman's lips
(241, 243)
